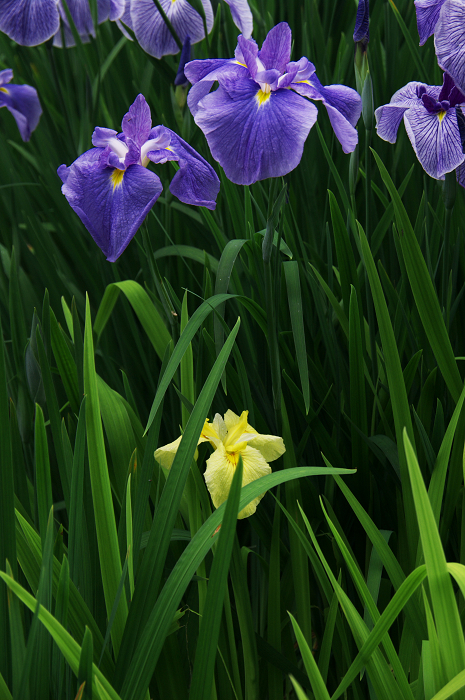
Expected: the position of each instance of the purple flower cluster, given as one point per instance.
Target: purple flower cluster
(22, 102)
(257, 120)
(110, 188)
(31, 22)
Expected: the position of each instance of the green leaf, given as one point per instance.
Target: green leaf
(107, 537)
(291, 272)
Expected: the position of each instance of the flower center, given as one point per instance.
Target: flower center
(264, 95)
(233, 458)
(116, 178)
(442, 114)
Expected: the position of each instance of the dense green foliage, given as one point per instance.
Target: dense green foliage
(347, 340)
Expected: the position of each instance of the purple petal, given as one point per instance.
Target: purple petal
(276, 49)
(205, 73)
(6, 76)
(242, 16)
(102, 136)
(137, 122)
(427, 17)
(180, 78)
(343, 105)
(195, 182)
(111, 203)
(252, 139)
(435, 139)
(153, 34)
(388, 117)
(81, 16)
(249, 53)
(449, 41)
(29, 22)
(23, 103)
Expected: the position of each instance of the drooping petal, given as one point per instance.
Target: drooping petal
(276, 49)
(23, 103)
(252, 135)
(81, 16)
(449, 41)
(435, 139)
(195, 182)
(343, 105)
(388, 117)
(427, 17)
(242, 16)
(111, 203)
(204, 73)
(153, 34)
(165, 455)
(270, 446)
(220, 470)
(180, 78)
(6, 76)
(29, 22)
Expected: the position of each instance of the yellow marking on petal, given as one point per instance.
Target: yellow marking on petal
(233, 458)
(240, 64)
(302, 81)
(441, 114)
(2, 89)
(263, 97)
(116, 178)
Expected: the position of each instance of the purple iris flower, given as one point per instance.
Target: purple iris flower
(154, 36)
(362, 23)
(110, 188)
(22, 102)
(257, 121)
(430, 118)
(31, 22)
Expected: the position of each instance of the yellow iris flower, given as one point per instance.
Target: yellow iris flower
(231, 437)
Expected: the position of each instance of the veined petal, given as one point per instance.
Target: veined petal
(220, 470)
(165, 455)
(254, 139)
(388, 117)
(111, 203)
(23, 103)
(29, 22)
(242, 16)
(276, 49)
(153, 34)
(81, 15)
(203, 74)
(195, 182)
(449, 41)
(427, 17)
(137, 123)
(343, 105)
(435, 139)
(270, 446)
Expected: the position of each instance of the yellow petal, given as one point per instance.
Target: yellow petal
(165, 455)
(270, 446)
(220, 471)
(235, 432)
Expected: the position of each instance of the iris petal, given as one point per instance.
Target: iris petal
(242, 16)
(220, 471)
(153, 34)
(110, 203)
(29, 22)
(23, 103)
(427, 17)
(449, 41)
(254, 141)
(389, 117)
(435, 139)
(276, 49)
